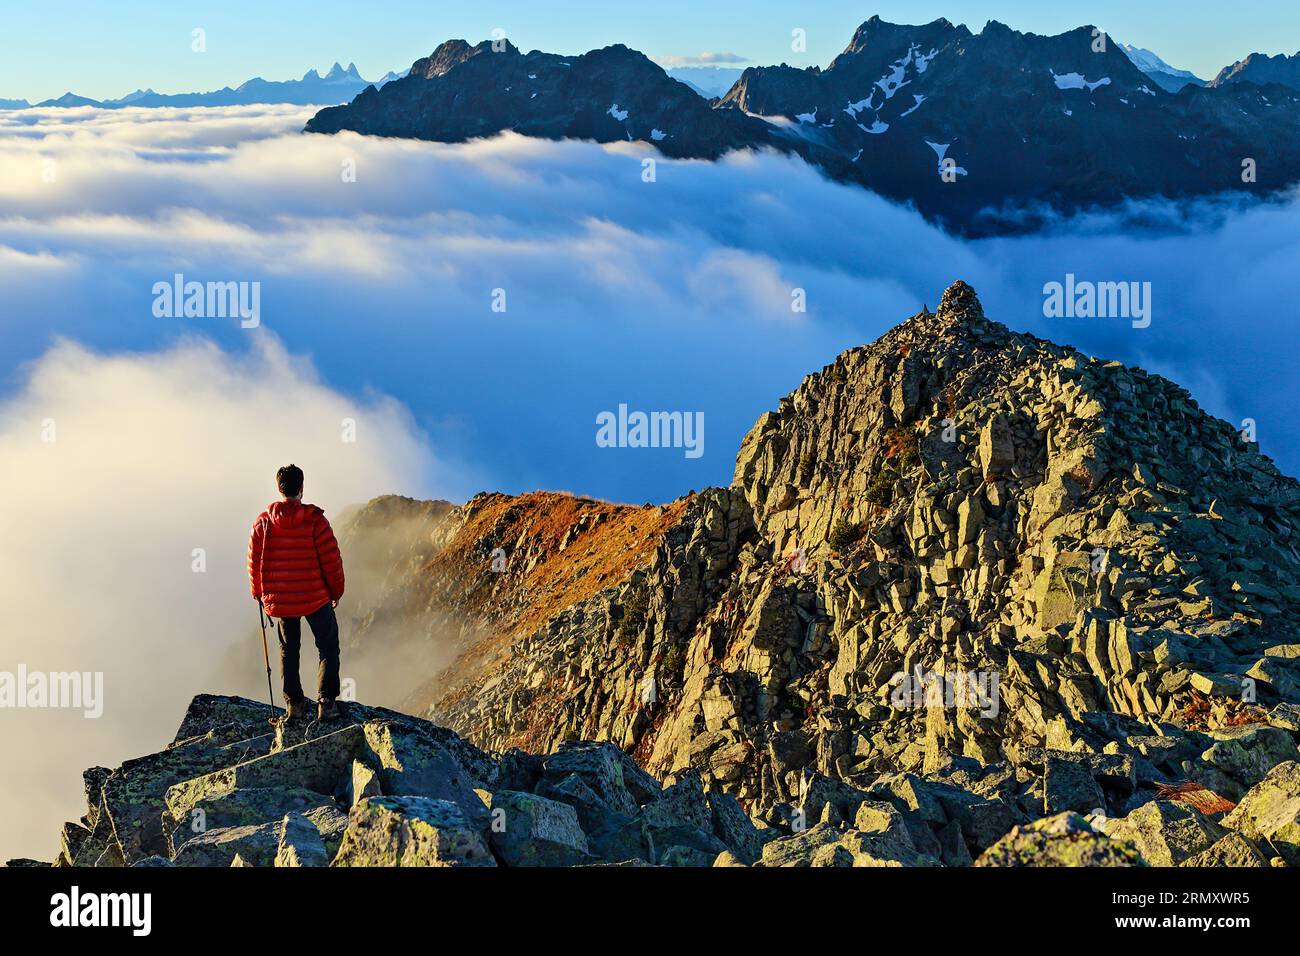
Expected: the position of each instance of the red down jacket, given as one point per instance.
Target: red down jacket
(294, 564)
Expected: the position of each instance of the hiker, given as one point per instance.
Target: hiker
(296, 571)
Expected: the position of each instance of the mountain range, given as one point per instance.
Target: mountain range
(1170, 78)
(986, 133)
(971, 596)
(338, 85)
(1262, 70)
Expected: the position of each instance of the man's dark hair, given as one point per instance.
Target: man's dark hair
(289, 480)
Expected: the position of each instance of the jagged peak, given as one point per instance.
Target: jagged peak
(451, 53)
(875, 29)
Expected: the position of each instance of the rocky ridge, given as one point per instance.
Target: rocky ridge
(381, 788)
(955, 498)
(1097, 579)
(972, 596)
(1262, 70)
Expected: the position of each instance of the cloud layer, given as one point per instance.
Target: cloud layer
(380, 259)
(707, 58)
(131, 484)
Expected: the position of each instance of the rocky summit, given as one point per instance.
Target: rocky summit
(971, 597)
(381, 788)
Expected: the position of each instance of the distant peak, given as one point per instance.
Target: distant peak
(337, 72)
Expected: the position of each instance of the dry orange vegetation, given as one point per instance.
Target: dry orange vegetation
(1205, 713)
(1195, 795)
(560, 551)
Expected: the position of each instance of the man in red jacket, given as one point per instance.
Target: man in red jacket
(296, 571)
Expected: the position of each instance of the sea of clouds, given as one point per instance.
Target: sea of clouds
(378, 262)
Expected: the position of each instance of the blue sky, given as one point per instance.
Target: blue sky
(105, 50)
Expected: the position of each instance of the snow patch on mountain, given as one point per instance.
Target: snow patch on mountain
(920, 98)
(941, 150)
(1077, 81)
(1148, 62)
(895, 80)
(854, 108)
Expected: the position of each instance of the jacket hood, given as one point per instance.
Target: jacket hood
(290, 514)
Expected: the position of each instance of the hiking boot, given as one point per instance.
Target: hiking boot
(296, 710)
(328, 711)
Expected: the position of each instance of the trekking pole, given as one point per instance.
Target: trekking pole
(266, 655)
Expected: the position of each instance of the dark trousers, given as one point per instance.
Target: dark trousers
(325, 629)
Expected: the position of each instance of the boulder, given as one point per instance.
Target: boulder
(208, 713)
(816, 846)
(888, 845)
(881, 838)
(684, 804)
(411, 831)
(300, 843)
(997, 452)
(323, 765)
(529, 830)
(1269, 813)
(733, 827)
(412, 763)
(607, 771)
(1247, 753)
(1066, 839)
(191, 811)
(1068, 785)
(1166, 833)
(331, 823)
(819, 793)
(1232, 849)
(256, 845)
(134, 795)
(364, 783)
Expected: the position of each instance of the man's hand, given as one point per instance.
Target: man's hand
(335, 602)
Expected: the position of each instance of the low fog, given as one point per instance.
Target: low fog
(153, 456)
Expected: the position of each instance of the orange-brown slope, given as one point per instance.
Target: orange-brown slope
(556, 550)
